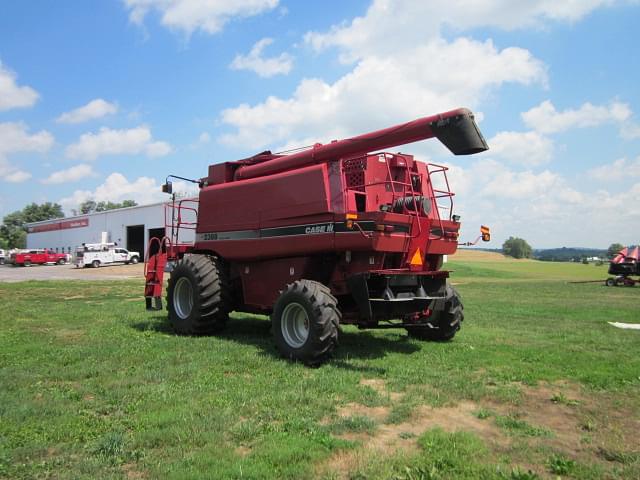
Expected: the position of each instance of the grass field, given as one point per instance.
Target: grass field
(535, 385)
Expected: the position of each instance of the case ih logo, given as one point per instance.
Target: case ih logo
(63, 225)
(328, 228)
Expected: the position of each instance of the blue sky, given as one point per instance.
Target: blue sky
(103, 99)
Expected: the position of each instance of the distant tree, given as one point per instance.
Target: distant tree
(517, 248)
(46, 211)
(90, 206)
(613, 249)
(13, 231)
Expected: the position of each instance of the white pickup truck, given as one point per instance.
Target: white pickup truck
(97, 254)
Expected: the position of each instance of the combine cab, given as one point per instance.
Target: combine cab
(341, 233)
(623, 266)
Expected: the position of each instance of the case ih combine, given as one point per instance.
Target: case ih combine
(326, 236)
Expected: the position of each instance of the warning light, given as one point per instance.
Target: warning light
(416, 259)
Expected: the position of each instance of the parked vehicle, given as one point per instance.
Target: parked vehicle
(97, 254)
(38, 256)
(2, 256)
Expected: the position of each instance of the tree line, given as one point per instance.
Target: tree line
(519, 248)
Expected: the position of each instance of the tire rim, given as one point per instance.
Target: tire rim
(295, 325)
(183, 298)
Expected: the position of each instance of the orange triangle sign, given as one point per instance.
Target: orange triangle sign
(417, 258)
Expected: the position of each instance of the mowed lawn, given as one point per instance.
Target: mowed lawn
(537, 384)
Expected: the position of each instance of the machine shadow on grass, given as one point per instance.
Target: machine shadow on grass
(256, 331)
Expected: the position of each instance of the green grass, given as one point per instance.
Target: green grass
(92, 386)
(516, 426)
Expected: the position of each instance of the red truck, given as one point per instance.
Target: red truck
(25, 258)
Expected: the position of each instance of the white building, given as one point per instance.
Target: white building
(130, 228)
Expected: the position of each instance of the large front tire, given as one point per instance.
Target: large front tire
(198, 295)
(305, 322)
(442, 324)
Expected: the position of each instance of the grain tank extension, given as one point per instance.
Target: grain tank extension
(341, 233)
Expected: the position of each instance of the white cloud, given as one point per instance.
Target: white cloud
(15, 138)
(618, 170)
(544, 207)
(528, 148)
(96, 108)
(11, 173)
(11, 94)
(210, 16)
(630, 130)
(203, 139)
(72, 174)
(263, 66)
(376, 33)
(546, 119)
(135, 141)
(410, 81)
(117, 187)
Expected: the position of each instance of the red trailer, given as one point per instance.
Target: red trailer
(25, 258)
(341, 233)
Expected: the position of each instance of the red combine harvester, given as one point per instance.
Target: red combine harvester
(624, 265)
(326, 236)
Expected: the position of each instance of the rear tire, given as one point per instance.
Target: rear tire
(610, 282)
(27, 263)
(442, 324)
(305, 322)
(95, 264)
(61, 261)
(198, 295)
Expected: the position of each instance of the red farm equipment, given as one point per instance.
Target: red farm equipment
(624, 265)
(329, 235)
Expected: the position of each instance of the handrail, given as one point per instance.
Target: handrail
(162, 242)
(176, 221)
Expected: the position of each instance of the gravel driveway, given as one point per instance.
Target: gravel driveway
(9, 273)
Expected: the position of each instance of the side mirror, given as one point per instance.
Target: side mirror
(167, 188)
(486, 233)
